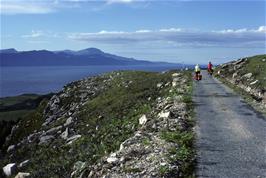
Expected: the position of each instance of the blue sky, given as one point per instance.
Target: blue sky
(187, 31)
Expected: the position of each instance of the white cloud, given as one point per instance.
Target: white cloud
(34, 34)
(11, 7)
(37, 34)
(118, 1)
(178, 37)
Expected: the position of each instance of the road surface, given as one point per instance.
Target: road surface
(231, 136)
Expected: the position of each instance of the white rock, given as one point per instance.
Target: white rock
(174, 83)
(234, 75)
(112, 160)
(143, 120)
(253, 83)
(164, 114)
(159, 85)
(64, 135)
(9, 169)
(22, 175)
(248, 75)
(176, 74)
(263, 60)
(10, 148)
(68, 121)
(72, 139)
(24, 163)
(45, 139)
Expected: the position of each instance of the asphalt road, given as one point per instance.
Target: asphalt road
(231, 136)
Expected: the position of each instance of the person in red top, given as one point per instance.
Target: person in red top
(210, 70)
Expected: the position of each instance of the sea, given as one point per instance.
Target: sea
(42, 80)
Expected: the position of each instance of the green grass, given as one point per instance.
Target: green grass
(13, 115)
(9, 101)
(184, 154)
(114, 112)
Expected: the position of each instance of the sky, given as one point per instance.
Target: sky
(184, 31)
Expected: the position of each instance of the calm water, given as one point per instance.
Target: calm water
(41, 80)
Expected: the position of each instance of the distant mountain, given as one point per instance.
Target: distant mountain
(89, 56)
(11, 50)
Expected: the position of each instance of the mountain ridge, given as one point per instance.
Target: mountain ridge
(88, 56)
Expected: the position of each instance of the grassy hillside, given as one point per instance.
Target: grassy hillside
(108, 116)
(247, 76)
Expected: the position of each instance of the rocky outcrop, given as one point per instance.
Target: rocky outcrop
(239, 74)
(146, 153)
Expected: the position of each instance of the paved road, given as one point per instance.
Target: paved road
(231, 139)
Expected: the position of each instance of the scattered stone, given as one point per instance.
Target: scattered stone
(70, 140)
(143, 120)
(23, 164)
(45, 139)
(253, 83)
(159, 85)
(10, 169)
(68, 121)
(64, 135)
(234, 75)
(78, 167)
(22, 175)
(164, 114)
(112, 159)
(248, 75)
(53, 130)
(263, 60)
(10, 148)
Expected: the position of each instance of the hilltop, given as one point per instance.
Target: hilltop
(124, 123)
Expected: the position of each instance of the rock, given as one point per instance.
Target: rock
(112, 160)
(78, 167)
(70, 140)
(22, 175)
(53, 130)
(248, 75)
(176, 74)
(64, 135)
(143, 120)
(263, 60)
(68, 121)
(253, 83)
(234, 75)
(45, 139)
(10, 148)
(164, 114)
(23, 164)
(10, 169)
(159, 85)
(174, 83)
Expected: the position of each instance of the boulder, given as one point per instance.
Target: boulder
(22, 175)
(143, 120)
(10, 169)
